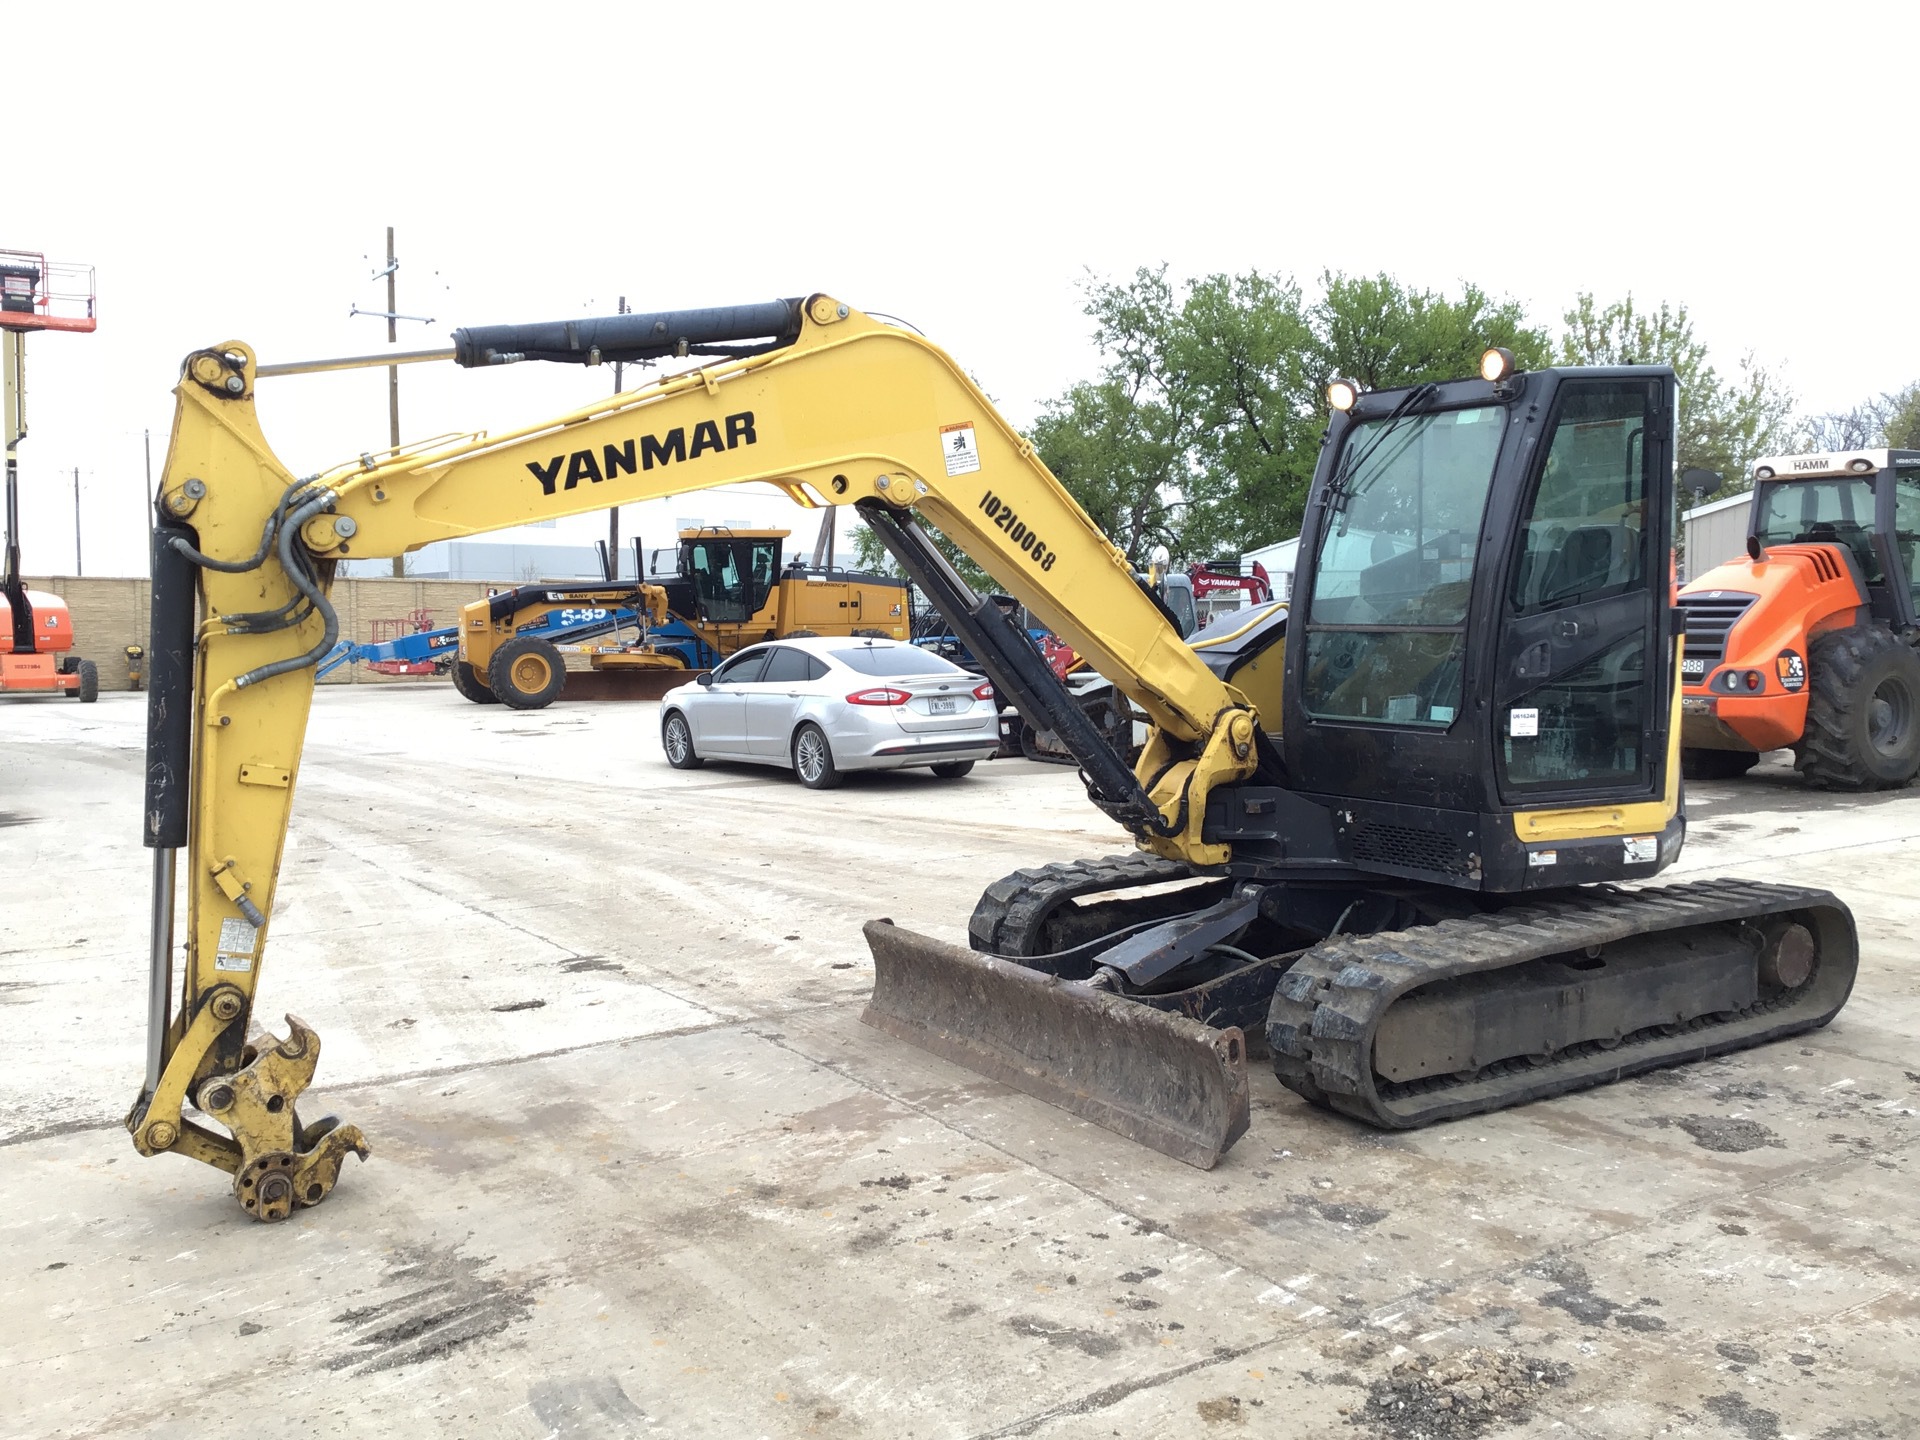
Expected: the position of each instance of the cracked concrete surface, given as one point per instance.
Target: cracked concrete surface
(639, 1170)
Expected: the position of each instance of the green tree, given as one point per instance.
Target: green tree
(1383, 334)
(1892, 420)
(1724, 424)
(1204, 426)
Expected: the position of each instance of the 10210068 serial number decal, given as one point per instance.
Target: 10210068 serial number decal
(1004, 516)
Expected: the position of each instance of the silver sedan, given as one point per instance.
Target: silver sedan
(827, 706)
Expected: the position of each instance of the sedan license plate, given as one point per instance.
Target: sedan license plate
(1692, 669)
(943, 705)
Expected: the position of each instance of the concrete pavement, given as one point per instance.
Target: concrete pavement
(638, 1169)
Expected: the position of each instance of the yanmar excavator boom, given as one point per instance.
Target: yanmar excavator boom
(1375, 832)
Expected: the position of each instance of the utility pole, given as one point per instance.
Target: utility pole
(78, 569)
(392, 317)
(613, 512)
(393, 375)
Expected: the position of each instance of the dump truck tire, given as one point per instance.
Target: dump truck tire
(1863, 715)
(471, 687)
(527, 673)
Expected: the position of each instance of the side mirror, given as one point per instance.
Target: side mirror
(1701, 483)
(705, 677)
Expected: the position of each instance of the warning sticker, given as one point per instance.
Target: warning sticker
(1537, 858)
(237, 942)
(1523, 722)
(1641, 849)
(957, 444)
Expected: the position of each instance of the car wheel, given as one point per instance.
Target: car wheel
(677, 740)
(952, 769)
(813, 758)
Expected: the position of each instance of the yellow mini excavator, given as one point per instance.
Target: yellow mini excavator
(1379, 833)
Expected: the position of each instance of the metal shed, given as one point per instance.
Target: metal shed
(1714, 532)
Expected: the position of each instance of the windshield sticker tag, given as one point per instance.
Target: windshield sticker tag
(958, 446)
(1641, 849)
(1537, 858)
(1468, 417)
(1522, 723)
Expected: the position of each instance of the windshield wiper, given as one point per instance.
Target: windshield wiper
(1395, 417)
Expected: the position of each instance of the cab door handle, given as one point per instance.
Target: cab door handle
(1534, 661)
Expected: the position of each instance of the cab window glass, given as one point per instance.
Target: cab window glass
(1822, 512)
(1906, 528)
(1586, 537)
(718, 583)
(1583, 727)
(1386, 622)
(1584, 545)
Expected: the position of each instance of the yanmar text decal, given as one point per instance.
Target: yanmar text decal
(633, 456)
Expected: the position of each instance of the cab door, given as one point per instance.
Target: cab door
(1583, 670)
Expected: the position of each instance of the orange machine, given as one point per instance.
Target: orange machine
(1810, 640)
(36, 629)
(31, 647)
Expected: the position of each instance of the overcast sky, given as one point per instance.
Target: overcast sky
(231, 173)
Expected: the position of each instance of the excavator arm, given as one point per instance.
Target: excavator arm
(810, 397)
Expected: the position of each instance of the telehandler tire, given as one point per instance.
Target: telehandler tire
(88, 690)
(526, 673)
(1717, 764)
(1863, 715)
(471, 687)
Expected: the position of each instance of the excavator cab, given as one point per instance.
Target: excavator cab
(1483, 630)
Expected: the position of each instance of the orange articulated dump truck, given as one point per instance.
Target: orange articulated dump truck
(1810, 639)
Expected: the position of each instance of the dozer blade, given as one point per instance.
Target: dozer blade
(1161, 1079)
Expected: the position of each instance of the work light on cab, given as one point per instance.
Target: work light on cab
(1342, 393)
(1496, 364)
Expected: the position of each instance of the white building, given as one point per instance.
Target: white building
(1278, 559)
(1713, 533)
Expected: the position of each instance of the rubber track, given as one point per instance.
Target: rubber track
(1327, 1007)
(1013, 910)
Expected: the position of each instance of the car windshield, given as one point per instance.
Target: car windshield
(894, 660)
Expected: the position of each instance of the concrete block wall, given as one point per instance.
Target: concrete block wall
(110, 614)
